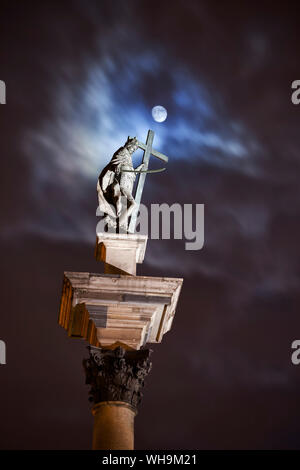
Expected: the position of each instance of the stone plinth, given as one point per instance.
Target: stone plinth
(109, 310)
(120, 252)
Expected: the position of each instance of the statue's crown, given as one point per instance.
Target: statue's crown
(132, 140)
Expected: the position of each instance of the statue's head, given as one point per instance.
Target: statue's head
(132, 144)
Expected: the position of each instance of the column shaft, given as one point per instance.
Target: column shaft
(113, 426)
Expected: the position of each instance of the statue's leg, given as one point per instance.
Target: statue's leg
(118, 199)
(127, 213)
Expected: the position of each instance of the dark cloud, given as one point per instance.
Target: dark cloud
(81, 77)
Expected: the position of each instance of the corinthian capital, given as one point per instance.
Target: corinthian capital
(117, 375)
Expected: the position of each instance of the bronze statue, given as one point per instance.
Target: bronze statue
(115, 183)
(116, 180)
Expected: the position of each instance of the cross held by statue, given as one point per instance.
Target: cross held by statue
(148, 151)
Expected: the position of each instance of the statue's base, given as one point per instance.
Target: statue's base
(118, 308)
(120, 252)
(112, 310)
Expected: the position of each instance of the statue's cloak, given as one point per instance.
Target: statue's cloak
(104, 205)
(108, 184)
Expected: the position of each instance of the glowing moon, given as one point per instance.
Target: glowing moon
(159, 113)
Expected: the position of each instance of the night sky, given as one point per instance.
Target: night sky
(81, 76)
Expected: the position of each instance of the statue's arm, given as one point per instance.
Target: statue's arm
(119, 156)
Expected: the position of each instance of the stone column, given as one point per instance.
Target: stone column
(116, 378)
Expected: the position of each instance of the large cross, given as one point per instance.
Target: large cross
(148, 150)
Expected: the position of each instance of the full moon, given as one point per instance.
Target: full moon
(159, 113)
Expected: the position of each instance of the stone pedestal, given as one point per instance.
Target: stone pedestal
(111, 310)
(120, 252)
